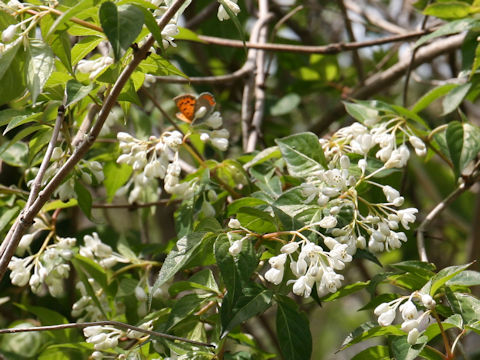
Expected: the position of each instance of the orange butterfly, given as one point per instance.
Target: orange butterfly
(189, 105)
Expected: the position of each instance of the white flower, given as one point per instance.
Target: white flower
(232, 5)
(328, 222)
(214, 121)
(386, 318)
(428, 301)
(409, 310)
(408, 325)
(418, 145)
(390, 193)
(167, 33)
(380, 309)
(140, 294)
(289, 248)
(236, 247)
(407, 216)
(57, 153)
(303, 286)
(220, 143)
(234, 224)
(413, 336)
(9, 33)
(274, 276)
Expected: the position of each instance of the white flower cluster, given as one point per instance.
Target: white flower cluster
(154, 159)
(171, 29)
(412, 318)
(345, 226)
(50, 266)
(232, 5)
(85, 308)
(100, 252)
(102, 337)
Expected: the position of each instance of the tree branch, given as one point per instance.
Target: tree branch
(26, 217)
(116, 324)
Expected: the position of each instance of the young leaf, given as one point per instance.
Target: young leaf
(442, 277)
(378, 352)
(84, 199)
(293, 330)
(40, 65)
(346, 290)
(449, 10)
(303, 153)
(451, 27)
(370, 330)
(431, 96)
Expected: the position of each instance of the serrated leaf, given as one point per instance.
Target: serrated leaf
(442, 277)
(401, 349)
(76, 91)
(465, 278)
(40, 65)
(417, 267)
(293, 330)
(466, 305)
(303, 154)
(256, 220)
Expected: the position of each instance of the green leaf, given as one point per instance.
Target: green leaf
(152, 25)
(226, 264)
(455, 97)
(187, 34)
(420, 268)
(431, 96)
(59, 41)
(116, 175)
(183, 251)
(92, 269)
(249, 307)
(370, 330)
(59, 204)
(67, 15)
(448, 10)
(285, 105)
(430, 354)
(21, 119)
(182, 308)
(84, 199)
(236, 205)
(8, 216)
(466, 305)
(465, 278)
(202, 280)
(76, 91)
(256, 220)
(84, 47)
(15, 155)
(452, 27)
(442, 277)
(401, 349)
(293, 330)
(361, 112)
(378, 352)
(157, 65)
(236, 22)
(463, 142)
(40, 64)
(7, 57)
(269, 153)
(121, 26)
(346, 290)
(303, 154)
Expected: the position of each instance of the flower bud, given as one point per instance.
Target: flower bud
(380, 309)
(289, 248)
(57, 153)
(234, 224)
(386, 318)
(9, 33)
(413, 336)
(428, 301)
(236, 247)
(140, 294)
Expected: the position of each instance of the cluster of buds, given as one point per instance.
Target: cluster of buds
(155, 158)
(413, 320)
(50, 267)
(94, 67)
(100, 252)
(102, 337)
(86, 309)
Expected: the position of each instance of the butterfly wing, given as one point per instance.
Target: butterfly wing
(205, 100)
(187, 105)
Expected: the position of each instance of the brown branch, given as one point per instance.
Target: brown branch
(25, 218)
(351, 38)
(333, 48)
(116, 324)
(380, 81)
(227, 78)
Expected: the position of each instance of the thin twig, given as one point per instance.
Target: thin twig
(25, 219)
(37, 184)
(382, 80)
(351, 38)
(260, 77)
(220, 79)
(465, 185)
(333, 48)
(412, 59)
(116, 324)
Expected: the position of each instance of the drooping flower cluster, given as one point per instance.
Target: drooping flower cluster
(412, 318)
(50, 267)
(102, 337)
(85, 308)
(347, 221)
(232, 5)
